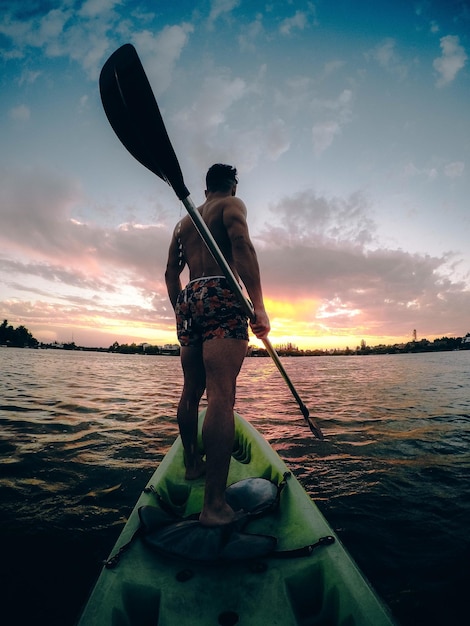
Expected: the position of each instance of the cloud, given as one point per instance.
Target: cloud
(87, 35)
(306, 216)
(451, 170)
(219, 8)
(200, 124)
(388, 291)
(28, 77)
(83, 103)
(20, 113)
(277, 139)
(50, 27)
(90, 322)
(93, 8)
(34, 205)
(323, 135)
(39, 31)
(53, 273)
(451, 61)
(454, 170)
(160, 52)
(210, 107)
(250, 36)
(37, 209)
(297, 21)
(333, 66)
(386, 55)
(325, 250)
(212, 126)
(338, 113)
(58, 33)
(79, 273)
(410, 170)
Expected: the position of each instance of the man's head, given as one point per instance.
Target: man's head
(221, 178)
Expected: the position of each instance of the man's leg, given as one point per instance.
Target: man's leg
(188, 407)
(223, 359)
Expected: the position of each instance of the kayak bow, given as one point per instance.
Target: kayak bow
(307, 579)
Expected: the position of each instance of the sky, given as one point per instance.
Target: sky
(349, 123)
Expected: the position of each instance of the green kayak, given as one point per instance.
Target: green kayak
(280, 564)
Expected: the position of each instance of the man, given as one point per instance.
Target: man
(213, 332)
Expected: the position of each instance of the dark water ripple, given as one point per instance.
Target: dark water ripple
(81, 434)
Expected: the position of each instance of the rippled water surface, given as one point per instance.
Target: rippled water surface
(81, 434)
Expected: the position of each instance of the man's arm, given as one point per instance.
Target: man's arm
(174, 267)
(246, 262)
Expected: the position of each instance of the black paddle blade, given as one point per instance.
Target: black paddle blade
(133, 113)
(316, 430)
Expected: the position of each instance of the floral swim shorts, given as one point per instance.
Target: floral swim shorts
(208, 309)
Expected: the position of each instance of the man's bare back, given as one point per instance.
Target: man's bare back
(225, 216)
(216, 212)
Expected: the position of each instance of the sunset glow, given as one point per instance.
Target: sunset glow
(345, 124)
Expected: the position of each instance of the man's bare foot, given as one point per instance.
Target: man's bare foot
(220, 517)
(195, 470)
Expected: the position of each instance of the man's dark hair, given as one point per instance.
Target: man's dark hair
(221, 177)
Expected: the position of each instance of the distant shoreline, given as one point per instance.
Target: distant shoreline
(423, 346)
(21, 337)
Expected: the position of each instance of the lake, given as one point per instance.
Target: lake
(82, 432)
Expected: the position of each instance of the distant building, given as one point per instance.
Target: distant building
(171, 349)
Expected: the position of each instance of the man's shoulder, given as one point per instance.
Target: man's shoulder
(230, 203)
(184, 223)
(235, 205)
(220, 206)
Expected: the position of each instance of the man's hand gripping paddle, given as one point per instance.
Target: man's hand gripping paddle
(133, 113)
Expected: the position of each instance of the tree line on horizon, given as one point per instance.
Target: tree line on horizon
(21, 337)
(444, 344)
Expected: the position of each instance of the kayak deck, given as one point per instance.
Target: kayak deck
(147, 588)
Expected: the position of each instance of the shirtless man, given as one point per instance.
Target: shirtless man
(213, 332)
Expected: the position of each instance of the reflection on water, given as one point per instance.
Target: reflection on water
(81, 433)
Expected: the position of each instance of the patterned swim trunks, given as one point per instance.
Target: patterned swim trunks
(208, 309)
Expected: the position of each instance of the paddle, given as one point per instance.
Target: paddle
(133, 113)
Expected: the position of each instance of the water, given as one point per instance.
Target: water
(81, 433)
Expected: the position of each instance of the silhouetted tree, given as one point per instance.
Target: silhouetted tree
(16, 337)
